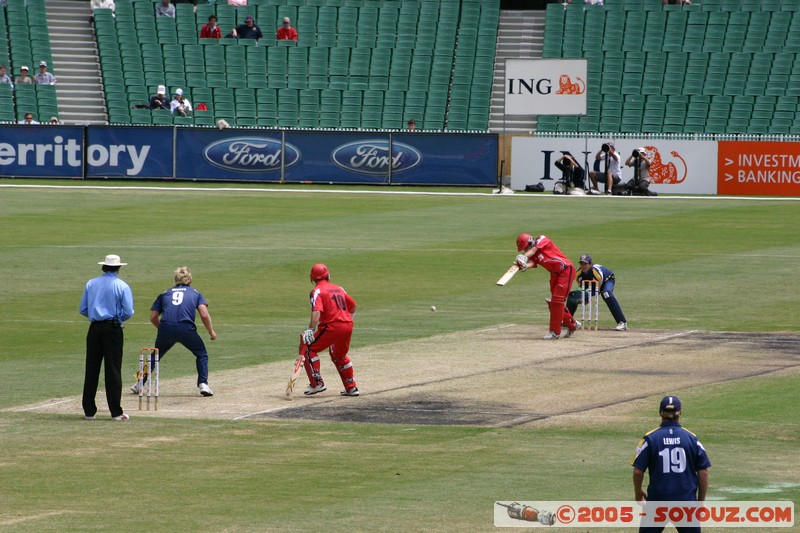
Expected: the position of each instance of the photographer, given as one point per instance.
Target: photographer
(572, 173)
(612, 173)
(640, 184)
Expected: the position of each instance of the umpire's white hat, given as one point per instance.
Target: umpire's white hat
(112, 261)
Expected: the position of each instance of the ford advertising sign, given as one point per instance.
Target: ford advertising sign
(251, 154)
(372, 157)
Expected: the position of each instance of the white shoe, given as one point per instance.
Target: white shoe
(87, 417)
(310, 391)
(622, 326)
(551, 336)
(135, 388)
(578, 324)
(594, 191)
(120, 418)
(205, 390)
(567, 334)
(350, 392)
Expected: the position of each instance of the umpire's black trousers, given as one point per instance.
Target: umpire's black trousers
(103, 345)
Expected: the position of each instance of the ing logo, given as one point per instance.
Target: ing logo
(661, 172)
(565, 85)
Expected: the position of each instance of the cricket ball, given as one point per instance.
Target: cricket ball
(433, 308)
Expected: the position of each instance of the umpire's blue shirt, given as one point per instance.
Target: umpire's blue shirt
(673, 456)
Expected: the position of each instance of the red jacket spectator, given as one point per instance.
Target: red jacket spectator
(211, 30)
(286, 32)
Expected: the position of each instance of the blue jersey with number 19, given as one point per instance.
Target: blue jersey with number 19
(178, 305)
(673, 456)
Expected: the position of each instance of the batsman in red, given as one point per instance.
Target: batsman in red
(542, 251)
(331, 327)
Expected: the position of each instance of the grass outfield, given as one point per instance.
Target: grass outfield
(707, 264)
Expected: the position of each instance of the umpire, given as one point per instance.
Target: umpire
(677, 462)
(107, 302)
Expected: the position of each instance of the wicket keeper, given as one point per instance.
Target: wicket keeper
(605, 281)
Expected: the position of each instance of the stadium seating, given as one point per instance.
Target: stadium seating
(718, 66)
(25, 41)
(429, 60)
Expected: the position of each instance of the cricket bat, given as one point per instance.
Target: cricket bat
(508, 275)
(298, 366)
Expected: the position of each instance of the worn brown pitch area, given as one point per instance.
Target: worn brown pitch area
(503, 376)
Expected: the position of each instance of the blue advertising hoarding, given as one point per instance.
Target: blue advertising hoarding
(248, 155)
(341, 158)
(244, 155)
(119, 151)
(448, 159)
(41, 151)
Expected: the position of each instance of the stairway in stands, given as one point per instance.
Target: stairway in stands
(75, 62)
(520, 36)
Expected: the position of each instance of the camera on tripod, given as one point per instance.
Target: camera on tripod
(605, 148)
(636, 153)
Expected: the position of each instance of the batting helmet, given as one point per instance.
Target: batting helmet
(319, 272)
(523, 241)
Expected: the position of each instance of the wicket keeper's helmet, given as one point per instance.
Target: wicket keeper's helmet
(319, 272)
(523, 241)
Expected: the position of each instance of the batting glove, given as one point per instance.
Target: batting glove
(308, 336)
(522, 261)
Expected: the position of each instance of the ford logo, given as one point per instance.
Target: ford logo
(251, 154)
(372, 157)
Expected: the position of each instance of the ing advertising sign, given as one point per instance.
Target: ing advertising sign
(545, 87)
(759, 168)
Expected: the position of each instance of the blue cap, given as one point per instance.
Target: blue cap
(670, 403)
(585, 258)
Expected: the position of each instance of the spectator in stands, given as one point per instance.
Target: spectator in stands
(248, 30)
(412, 125)
(5, 78)
(237, 2)
(180, 105)
(23, 76)
(211, 30)
(44, 77)
(286, 32)
(28, 119)
(165, 9)
(159, 100)
(54, 121)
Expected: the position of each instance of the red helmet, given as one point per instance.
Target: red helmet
(319, 272)
(523, 241)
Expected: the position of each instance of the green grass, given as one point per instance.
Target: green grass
(681, 264)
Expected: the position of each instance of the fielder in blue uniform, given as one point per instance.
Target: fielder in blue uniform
(173, 314)
(605, 279)
(676, 460)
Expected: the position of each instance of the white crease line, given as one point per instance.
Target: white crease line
(43, 406)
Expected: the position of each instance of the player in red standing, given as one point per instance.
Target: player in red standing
(542, 251)
(331, 327)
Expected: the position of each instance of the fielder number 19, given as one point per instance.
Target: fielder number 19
(673, 460)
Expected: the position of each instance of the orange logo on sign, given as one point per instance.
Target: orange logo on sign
(565, 85)
(661, 172)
